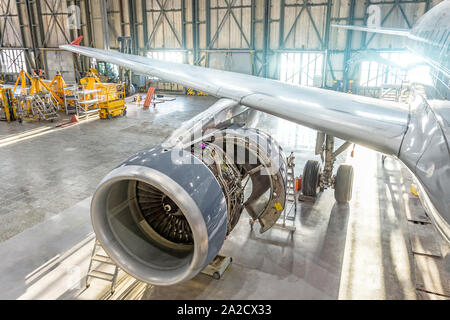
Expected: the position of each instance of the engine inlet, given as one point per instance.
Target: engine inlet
(163, 215)
(161, 220)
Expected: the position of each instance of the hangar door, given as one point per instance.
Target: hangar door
(241, 62)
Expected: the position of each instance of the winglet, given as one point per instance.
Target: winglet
(77, 42)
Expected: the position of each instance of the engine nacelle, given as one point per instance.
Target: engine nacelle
(160, 221)
(163, 215)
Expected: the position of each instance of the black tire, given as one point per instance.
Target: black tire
(216, 275)
(109, 117)
(124, 113)
(311, 176)
(343, 187)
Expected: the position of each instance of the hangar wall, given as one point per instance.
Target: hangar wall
(240, 35)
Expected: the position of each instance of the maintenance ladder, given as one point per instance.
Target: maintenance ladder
(291, 191)
(99, 262)
(290, 207)
(149, 98)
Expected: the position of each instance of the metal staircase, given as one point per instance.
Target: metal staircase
(291, 188)
(37, 107)
(43, 107)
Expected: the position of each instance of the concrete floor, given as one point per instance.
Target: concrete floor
(41, 177)
(356, 251)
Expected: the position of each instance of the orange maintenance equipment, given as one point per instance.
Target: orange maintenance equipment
(149, 98)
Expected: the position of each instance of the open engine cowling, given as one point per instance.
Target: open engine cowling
(163, 215)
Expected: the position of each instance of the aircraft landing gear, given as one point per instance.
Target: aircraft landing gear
(311, 178)
(343, 184)
(317, 179)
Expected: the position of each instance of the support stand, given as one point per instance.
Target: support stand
(218, 266)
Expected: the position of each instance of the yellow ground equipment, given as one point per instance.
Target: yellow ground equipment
(414, 191)
(38, 102)
(7, 105)
(192, 92)
(111, 96)
(65, 92)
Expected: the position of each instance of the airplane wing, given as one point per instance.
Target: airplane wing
(381, 30)
(375, 123)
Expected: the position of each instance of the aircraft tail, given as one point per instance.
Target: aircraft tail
(390, 31)
(77, 42)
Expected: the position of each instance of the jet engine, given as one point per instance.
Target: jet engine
(164, 214)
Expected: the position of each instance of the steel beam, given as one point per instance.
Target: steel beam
(281, 32)
(40, 23)
(29, 61)
(144, 23)
(105, 25)
(87, 12)
(348, 45)
(133, 26)
(208, 24)
(195, 32)
(266, 39)
(325, 45)
(34, 36)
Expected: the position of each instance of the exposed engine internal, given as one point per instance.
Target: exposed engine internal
(163, 215)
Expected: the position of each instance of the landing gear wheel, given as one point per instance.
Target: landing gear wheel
(311, 176)
(344, 184)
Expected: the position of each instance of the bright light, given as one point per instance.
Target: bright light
(304, 68)
(170, 56)
(421, 74)
(403, 66)
(12, 60)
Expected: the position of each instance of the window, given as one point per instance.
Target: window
(372, 74)
(107, 69)
(304, 68)
(392, 69)
(12, 60)
(171, 56)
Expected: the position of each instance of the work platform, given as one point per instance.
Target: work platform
(369, 249)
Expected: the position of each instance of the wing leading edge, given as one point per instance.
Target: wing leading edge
(377, 124)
